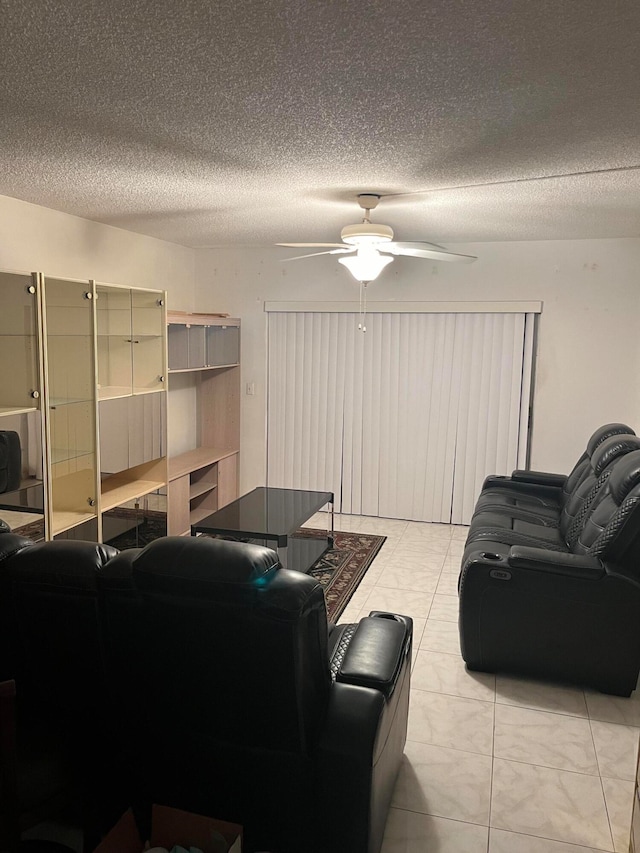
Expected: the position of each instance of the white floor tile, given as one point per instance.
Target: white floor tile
(451, 721)
(441, 637)
(448, 584)
(613, 709)
(444, 782)
(555, 804)
(549, 740)
(445, 608)
(541, 696)
(618, 796)
(411, 576)
(402, 601)
(616, 749)
(443, 673)
(408, 832)
(501, 841)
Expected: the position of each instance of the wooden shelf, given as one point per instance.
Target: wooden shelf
(65, 520)
(117, 490)
(186, 463)
(200, 369)
(9, 410)
(201, 488)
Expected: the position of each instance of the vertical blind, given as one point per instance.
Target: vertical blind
(404, 421)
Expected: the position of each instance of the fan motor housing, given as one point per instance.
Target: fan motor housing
(366, 232)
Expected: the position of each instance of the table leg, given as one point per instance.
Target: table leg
(282, 555)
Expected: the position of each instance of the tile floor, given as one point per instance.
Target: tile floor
(492, 764)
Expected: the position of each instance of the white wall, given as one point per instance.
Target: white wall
(588, 353)
(34, 238)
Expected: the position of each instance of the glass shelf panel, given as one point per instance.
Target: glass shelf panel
(18, 343)
(114, 338)
(70, 366)
(148, 336)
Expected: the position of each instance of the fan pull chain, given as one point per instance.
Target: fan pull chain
(363, 306)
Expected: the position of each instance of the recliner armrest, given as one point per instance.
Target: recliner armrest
(571, 565)
(376, 653)
(540, 478)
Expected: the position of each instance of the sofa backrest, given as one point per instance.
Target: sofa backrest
(241, 642)
(50, 623)
(601, 464)
(611, 530)
(582, 468)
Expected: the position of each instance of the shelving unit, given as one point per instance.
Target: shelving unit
(76, 347)
(205, 478)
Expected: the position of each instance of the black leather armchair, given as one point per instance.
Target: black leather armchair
(239, 699)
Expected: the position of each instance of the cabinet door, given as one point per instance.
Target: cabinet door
(148, 326)
(71, 402)
(114, 341)
(178, 517)
(227, 480)
(223, 345)
(19, 376)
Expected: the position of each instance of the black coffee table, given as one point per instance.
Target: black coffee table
(270, 517)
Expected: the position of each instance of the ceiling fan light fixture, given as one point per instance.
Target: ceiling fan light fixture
(366, 264)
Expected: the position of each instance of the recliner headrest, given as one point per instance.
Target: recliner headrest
(625, 476)
(611, 449)
(200, 564)
(12, 543)
(64, 563)
(604, 432)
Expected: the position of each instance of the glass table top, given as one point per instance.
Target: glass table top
(267, 512)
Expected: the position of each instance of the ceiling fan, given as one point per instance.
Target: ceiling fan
(370, 246)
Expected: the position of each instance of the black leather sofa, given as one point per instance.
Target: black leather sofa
(199, 673)
(550, 578)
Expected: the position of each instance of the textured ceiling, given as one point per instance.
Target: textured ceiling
(231, 122)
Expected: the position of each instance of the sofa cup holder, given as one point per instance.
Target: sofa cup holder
(391, 616)
(490, 555)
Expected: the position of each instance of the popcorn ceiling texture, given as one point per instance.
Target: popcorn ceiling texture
(228, 122)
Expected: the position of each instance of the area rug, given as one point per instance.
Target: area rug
(339, 570)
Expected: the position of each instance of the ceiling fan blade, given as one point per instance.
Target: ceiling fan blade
(341, 251)
(417, 244)
(423, 250)
(312, 245)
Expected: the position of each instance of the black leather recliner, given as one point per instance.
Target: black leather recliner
(200, 674)
(238, 697)
(50, 646)
(561, 606)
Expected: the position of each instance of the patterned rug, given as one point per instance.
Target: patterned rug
(339, 570)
